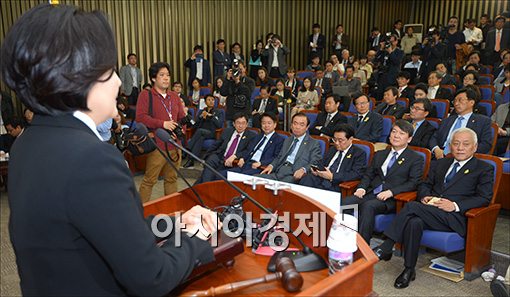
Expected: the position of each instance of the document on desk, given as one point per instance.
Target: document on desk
(329, 199)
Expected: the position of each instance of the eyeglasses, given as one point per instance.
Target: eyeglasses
(361, 103)
(417, 108)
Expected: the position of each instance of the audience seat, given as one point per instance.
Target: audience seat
(311, 115)
(323, 143)
(442, 107)
(452, 89)
(485, 79)
(388, 122)
(255, 94)
(209, 142)
(403, 101)
(435, 122)
(347, 188)
(487, 92)
(302, 74)
(490, 106)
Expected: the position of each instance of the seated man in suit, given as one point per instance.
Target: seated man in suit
(453, 187)
(353, 84)
(423, 130)
(233, 143)
(343, 162)
(263, 148)
(435, 90)
(404, 91)
(264, 104)
(389, 106)
(367, 124)
(464, 102)
(298, 152)
(328, 120)
(322, 82)
(393, 171)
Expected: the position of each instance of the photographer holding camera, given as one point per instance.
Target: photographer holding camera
(389, 56)
(434, 52)
(167, 112)
(238, 100)
(276, 54)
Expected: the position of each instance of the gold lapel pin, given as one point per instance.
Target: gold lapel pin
(466, 171)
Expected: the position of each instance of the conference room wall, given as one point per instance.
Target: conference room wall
(168, 30)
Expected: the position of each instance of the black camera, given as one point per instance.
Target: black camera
(178, 131)
(387, 40)
(235, 68)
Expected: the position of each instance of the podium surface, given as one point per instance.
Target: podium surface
(354, 280)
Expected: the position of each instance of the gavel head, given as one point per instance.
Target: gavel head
(292, 280)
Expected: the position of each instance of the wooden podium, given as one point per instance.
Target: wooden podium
(355, 280)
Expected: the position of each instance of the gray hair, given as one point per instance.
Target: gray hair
(461, 130)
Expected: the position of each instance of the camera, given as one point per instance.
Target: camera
(235, 68)
(178, 131)
(387, 40)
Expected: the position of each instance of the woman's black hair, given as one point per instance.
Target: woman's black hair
(54, 54)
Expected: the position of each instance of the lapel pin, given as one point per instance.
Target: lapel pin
(366, 119)
(466, 171)
(244, 137)
(349, 156)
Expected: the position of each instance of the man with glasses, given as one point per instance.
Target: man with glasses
(463, 117)
(367, 124)
(298, 152)
(343, 162)
(423, 130)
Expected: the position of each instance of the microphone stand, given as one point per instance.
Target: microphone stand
(306, 260)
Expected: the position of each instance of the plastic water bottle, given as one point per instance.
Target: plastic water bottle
(342, 242)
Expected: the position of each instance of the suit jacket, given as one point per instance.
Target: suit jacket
(271, 150)
(471, 187)
(85, 234)
(221, 61)
(325, 85)
(345, 42)
(370, 129)
(490, 42)
(309, 153)
(321, 44)
(444, 93)
(283, 51)
(408, 93)
(422, 135)
(370, 42)
(328, 130)
(220, 146)
(271, 106)
(481, 124)
(403, 176)
(396, 110)
(211, 122)
(352, 167)
(127, 79)
(206, 71)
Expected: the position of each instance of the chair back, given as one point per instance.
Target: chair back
(442, 107)
(403, 101)
(485, 79)
(489, 106)
(193, 111)
(284, 134)
(487, 92)
(348, 115)
(302, 74)
(255, 94)
(254, 130)
(366, 146)
(452, 88)
(323, 143)
(387, 124)
(494, 135)
(311, 115)
(205, 91)
(426, 155)
(221, 116)
(497, 165)
(435, 122)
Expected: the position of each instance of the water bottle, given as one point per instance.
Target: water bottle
(342, 242)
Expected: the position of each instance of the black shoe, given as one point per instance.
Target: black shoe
(382, 255)
(499, 289)
(403, 280)
(189, 164)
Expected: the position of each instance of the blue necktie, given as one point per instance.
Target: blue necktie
(458, 124)
(452, 173)
(379, 188)
(334, 167)
(259, 145)
(291, 149)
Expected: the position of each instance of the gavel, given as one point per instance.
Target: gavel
(291, 279)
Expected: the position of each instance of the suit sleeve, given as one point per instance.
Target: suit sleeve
(109, 216)
(484, 191)
(353, 173)
(188, 62)
(485, 137)
(376, 130)
(415, 175)
(315, 155)
(277, 150)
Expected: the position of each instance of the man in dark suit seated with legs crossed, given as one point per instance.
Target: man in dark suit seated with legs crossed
(454, 185)
(343, 162)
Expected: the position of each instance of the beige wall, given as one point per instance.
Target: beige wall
(168, 30)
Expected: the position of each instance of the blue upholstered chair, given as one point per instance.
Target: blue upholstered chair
(387, 124)
(311, 115)
(487, 92)
(209, 142)
(404, 102)
(323, 143)
(442, 107)
(347, 188)
(255, 94)
(304, 74)
(489, 105)
(435, 122)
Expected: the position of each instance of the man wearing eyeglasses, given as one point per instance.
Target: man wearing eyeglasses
(343, 162)
(367, 124)
(423, 130)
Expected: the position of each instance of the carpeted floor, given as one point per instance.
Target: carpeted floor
(384, 277)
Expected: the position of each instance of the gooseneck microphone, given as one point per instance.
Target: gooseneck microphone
(142, 129)
(306, 260)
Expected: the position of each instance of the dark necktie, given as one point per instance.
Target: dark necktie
(232, 147)
(291, 149)
(334, 167)
(261, 143)
(379, 188)
(328, 119)
(452, 173)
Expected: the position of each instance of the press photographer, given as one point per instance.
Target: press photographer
(434, 51)
(389, 57)
(276, 54)
(238, 100)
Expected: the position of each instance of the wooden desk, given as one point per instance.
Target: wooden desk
(354, 280)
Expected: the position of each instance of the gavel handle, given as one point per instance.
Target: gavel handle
(232, 287)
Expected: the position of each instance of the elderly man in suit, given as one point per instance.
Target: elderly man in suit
(343, 162)
(367, 124)
(262, 149)
(423, 130)
(464, 102)
(453, 186)
(394, 170)
(276, 54)
(435, 91)
(264, 104)
(131, 77)
(298, 152)
(389, 106)
(232, 145)
(328, 120)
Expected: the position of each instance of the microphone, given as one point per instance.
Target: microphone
(305, 260)
(142, 129)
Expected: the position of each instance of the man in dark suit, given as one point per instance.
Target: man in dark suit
(298, 152)
(340, 40)
(394, 170)
(263, 148)
(353, 84)
(498, 38)
(434, 52)
(328, 120)
(389, 106)
(404, 90)
(454, 185)
(199, 67)
(343, 162)
(264, 104)
(423, 130)
(316, 43)
(221, 59)
(322, 82)
(276, 54)
(435, 91)
(367, 124)
(390, 59)
(232, 145)
(464, 102)
(374, 39)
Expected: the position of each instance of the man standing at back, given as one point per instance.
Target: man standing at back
(131, 78)
(160, 108)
